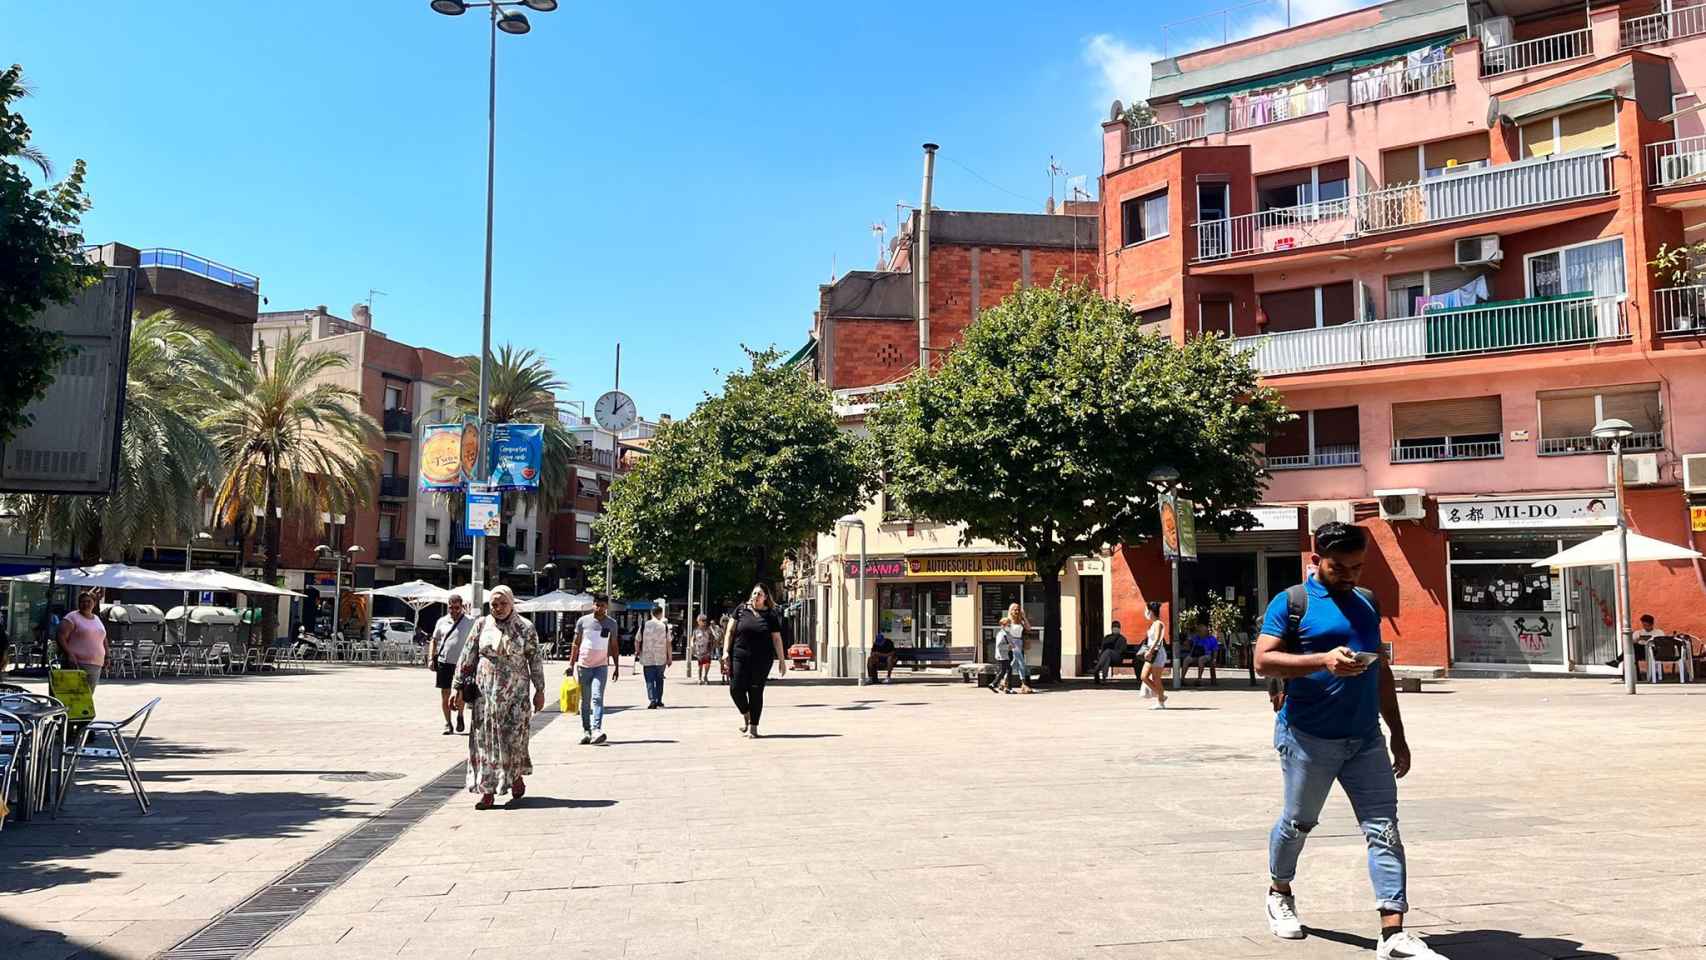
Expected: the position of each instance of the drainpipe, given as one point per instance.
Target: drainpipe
(921, 260)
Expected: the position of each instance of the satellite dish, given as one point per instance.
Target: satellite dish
(1116, 112)
(1492, 112)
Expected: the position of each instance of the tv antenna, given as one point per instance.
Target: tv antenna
(1054, 170)
(371, 293)
(877, 229)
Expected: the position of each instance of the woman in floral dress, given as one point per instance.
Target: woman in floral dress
(502, 658)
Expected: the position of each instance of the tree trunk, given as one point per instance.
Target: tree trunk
(1050, 574)
(274, 534)
(761, 566)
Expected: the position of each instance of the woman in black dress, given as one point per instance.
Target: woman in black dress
(751, 644)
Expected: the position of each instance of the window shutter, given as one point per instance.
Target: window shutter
(1463, 417)
(1290, 309)
(1537, 138)
(1462, 149)
(1640, 409)
(1566, 417)
(1337, 170)
(1447, 279)
(1285, 178)
(1290, 439)
(1595, 127)
(1338, 304)
(1399, 166)
(1337, 426)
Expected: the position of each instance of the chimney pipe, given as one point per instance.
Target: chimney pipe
(921, 259)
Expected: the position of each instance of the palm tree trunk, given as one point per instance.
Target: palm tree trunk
(269, 568)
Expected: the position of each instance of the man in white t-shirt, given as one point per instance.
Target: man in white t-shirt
(597, 658)
(653, 654)
(448, 638)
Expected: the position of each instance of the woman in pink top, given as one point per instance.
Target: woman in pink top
(83, 639)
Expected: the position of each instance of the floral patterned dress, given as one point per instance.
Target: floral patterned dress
(502, 657)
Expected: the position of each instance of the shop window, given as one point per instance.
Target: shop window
(1317, 438)
(1143, 218)
(1567, 418)
(994, 599)
(1589, 268)
(1468, 428)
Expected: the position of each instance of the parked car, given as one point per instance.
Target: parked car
(396, 630)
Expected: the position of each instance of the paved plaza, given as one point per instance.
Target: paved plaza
(924, 819)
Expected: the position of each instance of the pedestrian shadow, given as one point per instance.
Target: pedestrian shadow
(1480, 944)
(19, 940)
(626, 743)
(534, 802)
(797, 736)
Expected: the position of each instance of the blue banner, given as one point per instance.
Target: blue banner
(485, 510)
(517, 450)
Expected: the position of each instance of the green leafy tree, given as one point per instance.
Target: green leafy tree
(165, 459)
(523, 389)
(1041, 429)
(293, 443)
(41, 259)
(752, 473)
(1139, 114)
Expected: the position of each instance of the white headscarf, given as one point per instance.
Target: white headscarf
(493, 636)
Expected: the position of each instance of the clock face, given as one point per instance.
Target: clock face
(615, 411)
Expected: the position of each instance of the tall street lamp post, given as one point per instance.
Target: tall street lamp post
(1618, 431)
(449, 584)
(337, 577)
(1164, 479)
(189, 558)
(854, 521)
(515, 23)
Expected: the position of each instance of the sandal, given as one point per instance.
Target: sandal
(485, 802)
(518, 790)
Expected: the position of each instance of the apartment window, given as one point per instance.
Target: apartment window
(432, 531)
(1306, 308)
(586, 487)
(538, 543)
(1154, 321)
(332, 535)
(393, 397)
(1468, 428)
(392, 462)
(1594, 268)
(1591, 128)
(1437, 159)
(583, 531)
(1308, 185)
(1317, 438)
(1143, 218)
(520, 539)
(1214, 316)
(387, 526)
(1567, 417)
(1407, 294)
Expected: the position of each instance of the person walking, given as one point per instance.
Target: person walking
(704, 641)
(1154, 653)
(1113, 651)
(1003, 659)
(502, 661)
(652, 653)
(82, 638)
(597, 658)
(1018, 630)
(449, 636)
(751, 644)
(1323, 638)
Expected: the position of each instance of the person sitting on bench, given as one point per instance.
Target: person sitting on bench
(1202, 650)
(882, 657)
(1113, 652)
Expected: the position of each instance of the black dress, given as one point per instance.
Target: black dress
(751, 655)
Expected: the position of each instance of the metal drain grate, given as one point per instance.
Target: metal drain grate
(361, 776)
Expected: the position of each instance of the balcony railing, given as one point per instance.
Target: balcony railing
(1491, 328)
(1662, 27)
(1399, 81)
(391, 549)
(393, 485)
(1421, 453)
(1676, 162)
(1331, 455)
(1164, 134)
(1559, 446)
(1276, 106)
(465, 546)
(1680, 309)
(1537, 52)
(398, 420)
(1460, 196)
(200, 266)
(592, 456)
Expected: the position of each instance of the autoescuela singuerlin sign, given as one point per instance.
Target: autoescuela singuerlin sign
(956, 565)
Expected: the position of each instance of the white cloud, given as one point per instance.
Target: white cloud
(1123, 70)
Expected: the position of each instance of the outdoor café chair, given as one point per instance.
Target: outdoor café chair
(37, 733)
(1663, 650)
(12, 737)
(122, 750)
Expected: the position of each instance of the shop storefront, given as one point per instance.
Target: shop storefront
(1507, 614)
(1246, 569)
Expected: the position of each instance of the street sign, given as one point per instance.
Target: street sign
(485, 509)
(516, 454)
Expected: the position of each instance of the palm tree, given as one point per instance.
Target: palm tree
(523, 389)
(164, 458)
(293, 442)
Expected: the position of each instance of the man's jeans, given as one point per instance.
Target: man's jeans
(1364, 769)
(592, 696)
(654, 682)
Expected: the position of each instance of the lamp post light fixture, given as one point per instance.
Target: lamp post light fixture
(337, 577)
(855, 521)
(515, 23)
(189, 558)
(1618, 431)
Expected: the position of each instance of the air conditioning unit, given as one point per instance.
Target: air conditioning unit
(1403, 504)
(1681, 166)
(1479, 251)
(1694, 473)
(1639, 469)
(1330, 511)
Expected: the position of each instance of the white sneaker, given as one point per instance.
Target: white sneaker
(1148, 694)
(1282, 917)
(598, 737)
(1406, 946)
(1160, 706)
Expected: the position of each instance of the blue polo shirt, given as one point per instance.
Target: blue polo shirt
(1320, 704)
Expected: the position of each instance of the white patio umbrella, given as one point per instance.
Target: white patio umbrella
(417, 594)
(557, 601)
(228, 583)
(1601, 551)
(116, 576)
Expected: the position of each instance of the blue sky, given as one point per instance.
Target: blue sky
(679, 177)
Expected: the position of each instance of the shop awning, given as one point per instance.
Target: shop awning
(1602, 551)
(1340, 65)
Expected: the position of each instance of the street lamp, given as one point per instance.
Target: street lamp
(337, 577)
(1165, 478)
(1618, 431)
(515, 23)
(855, 521)
(189, 557)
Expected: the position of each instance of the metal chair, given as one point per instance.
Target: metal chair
(12, 737)
(36, 738)
(121, 750)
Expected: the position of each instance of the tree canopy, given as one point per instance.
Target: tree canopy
(753, 472)
(1041, 429)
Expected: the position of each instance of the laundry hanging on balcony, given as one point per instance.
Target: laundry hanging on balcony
(1468, 295)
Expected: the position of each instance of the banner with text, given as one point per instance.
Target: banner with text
(517, 451)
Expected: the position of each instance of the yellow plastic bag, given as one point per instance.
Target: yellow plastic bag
(71, 687)
(569, 695)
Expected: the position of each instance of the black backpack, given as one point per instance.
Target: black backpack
(1296, 607)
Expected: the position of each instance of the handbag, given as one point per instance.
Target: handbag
(71, 687)
(569, 695)
(468, 690)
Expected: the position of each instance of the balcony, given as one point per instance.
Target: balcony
(1332, 455)
(1275, 106)
(1489, 328)
(1563, 446)
(1538, 52)
(393, 486)
(201, 267)
(399, 421)
(1662, 27)
(1675, 163)
(1401, 81)
(1680, 310)
(391, 549)
(592, 456)
(465, 546)
(1444, 199)
(1449, 450)
(1158, 135)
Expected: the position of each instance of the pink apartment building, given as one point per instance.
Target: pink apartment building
(1431, 223)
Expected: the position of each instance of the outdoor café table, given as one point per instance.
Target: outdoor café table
(46, 719)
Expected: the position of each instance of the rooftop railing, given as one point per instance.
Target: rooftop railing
(1399, 81)
(1276, 106)
(200, 266)
(1155, 136)
(1511, 57)
(1662, 27)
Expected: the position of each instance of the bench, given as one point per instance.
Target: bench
(919, 658)
(1409, 679)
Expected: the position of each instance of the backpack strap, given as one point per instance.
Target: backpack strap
(1368, 597)
(1296, 607)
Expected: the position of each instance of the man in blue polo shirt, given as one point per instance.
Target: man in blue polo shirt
(1326, 645)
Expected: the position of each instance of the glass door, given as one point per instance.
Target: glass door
(933, 614)
(1590, 596)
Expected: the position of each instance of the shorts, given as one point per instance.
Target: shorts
(705, 660)
(445, 675)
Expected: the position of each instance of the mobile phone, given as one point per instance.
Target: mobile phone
(1367, 658)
